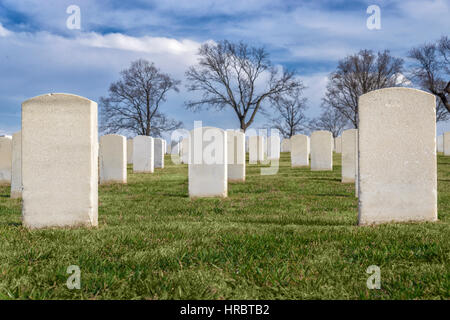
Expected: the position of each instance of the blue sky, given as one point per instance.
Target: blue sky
(39, 54)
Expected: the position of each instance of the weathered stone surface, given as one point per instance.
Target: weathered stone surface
(286, 145)
(113, 159)
(130, 151)
(159, 146)
(59, 161)
(143, 154)
(16, 168)
(349, 155)
(397, 156)
(447, 143)
(5, 159)
(236, 155)
(440, 143)
(321, 151)
(273, 147)
(299, 151)
(208, 170)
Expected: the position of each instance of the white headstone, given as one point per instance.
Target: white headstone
(143, 154)
(253, 149)
(159, 152)
(130, 151)
(440, 143)
(447, 143)
(208, 174)
(286, 145)
(349, 155)
(5, 159)
(262, 151)
(321, 151)
(397, 156)
(59, 161)
(273, 147)
(236, 155)
(16, 168)
(113, 159)
(299, 151)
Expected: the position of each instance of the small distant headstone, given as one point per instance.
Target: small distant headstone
(113, 159)
(143, 154)
(321, 151)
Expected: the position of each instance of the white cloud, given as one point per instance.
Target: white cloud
(158, 45)
(3, 31)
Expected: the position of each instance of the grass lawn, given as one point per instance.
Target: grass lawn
(288, 236)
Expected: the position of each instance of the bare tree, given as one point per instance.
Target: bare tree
(238, 76)
(432, 69)
(331, 120)
(134, 102)
(290, 118)
(359, 74)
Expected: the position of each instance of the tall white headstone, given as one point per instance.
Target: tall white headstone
(397, 156)
(321, 151)
(236, 155)
(16, 167)
(208, 170)
(159, 152)
(5, 159)
(299, 151)
(113, 159)
(59, 161)
(143, 154)
(349, 155)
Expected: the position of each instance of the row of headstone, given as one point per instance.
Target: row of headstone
(56, 162)
(319, 147)
(395, 147)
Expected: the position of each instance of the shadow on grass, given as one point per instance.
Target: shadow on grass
(299, 222)
(325, 179)
(12, 224)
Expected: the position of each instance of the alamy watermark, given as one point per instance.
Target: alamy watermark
(209, 146)
(374, 281)
(74, 280)
(73, 22)
(374, 20)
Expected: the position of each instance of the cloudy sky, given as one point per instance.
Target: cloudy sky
(39, 54)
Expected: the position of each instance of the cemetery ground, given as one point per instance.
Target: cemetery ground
(287, 236)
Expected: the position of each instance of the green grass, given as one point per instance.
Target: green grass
(288, 236)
